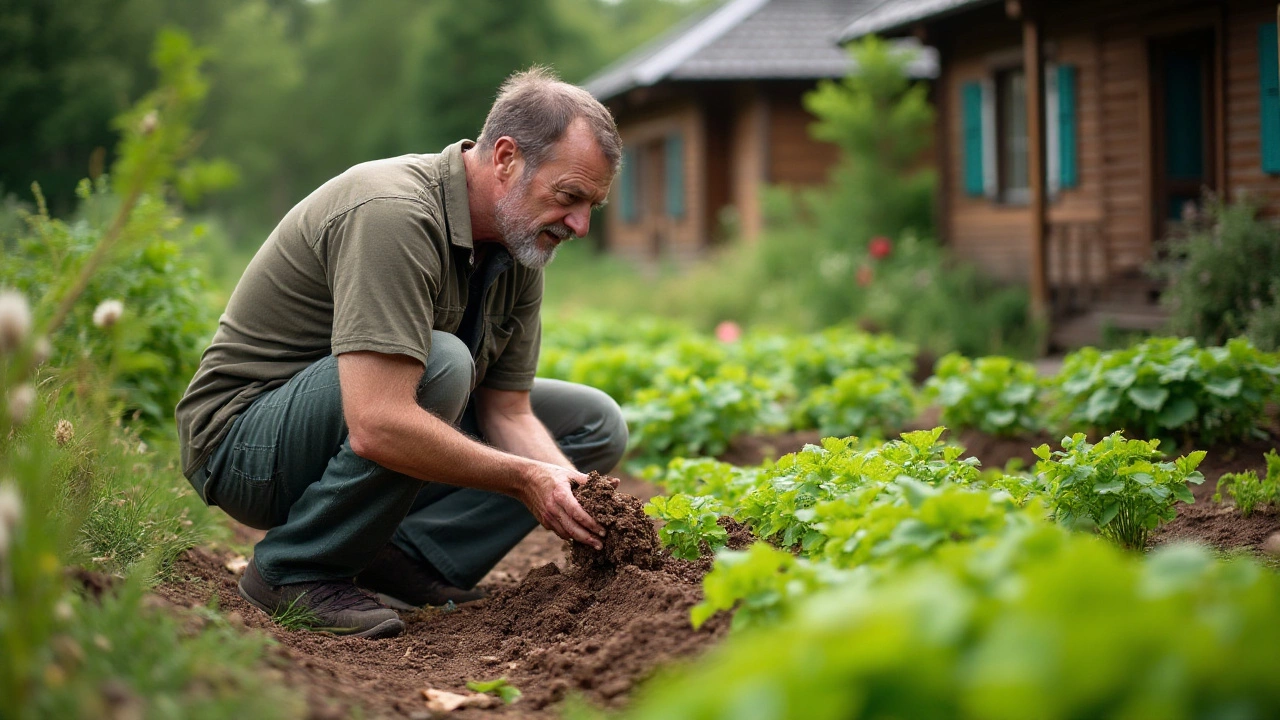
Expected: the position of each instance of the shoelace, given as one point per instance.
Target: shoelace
(340, 596)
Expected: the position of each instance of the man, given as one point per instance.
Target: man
(392, 316)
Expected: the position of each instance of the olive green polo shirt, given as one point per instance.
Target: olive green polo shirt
(375, 259)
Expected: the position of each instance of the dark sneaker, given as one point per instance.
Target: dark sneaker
(335, 606)
(406, 584)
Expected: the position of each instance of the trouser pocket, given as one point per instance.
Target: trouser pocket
(244, 473)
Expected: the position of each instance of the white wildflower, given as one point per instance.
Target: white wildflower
(10, 505)
(149, 123)
(43, 351)
(15, 320)
(21, 399)
(108, 313)
(64, 432)
(63, 611)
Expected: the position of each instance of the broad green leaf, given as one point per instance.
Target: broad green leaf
(1148, 398)
(1225, 388)
(1177, 413)
(1110, 486)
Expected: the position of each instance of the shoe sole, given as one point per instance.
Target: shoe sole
(390, 627)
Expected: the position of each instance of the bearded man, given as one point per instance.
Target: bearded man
(369, 396)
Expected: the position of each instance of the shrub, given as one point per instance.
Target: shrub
(1222, 274)
(1117, 485)
(1162, 385)
(997, 395)
(1247, 491)
(859, 402)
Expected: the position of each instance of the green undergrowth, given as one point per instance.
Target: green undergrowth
(89, 481)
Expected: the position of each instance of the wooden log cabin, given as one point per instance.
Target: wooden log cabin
(711, 113)
(1074, 137)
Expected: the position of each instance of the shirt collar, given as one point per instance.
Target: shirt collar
(456, 206)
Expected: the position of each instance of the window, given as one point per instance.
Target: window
(994, 132)
(1011, 133)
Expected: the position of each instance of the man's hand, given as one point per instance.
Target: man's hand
(549, 496)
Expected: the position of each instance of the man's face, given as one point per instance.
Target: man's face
(546, 207)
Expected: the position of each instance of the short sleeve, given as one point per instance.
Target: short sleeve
(515, 368)
(383, 264)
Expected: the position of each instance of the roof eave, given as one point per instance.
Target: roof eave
(859, 28)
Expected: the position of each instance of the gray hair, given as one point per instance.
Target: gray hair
(535, 108)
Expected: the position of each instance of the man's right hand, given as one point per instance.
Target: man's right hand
(548, 493)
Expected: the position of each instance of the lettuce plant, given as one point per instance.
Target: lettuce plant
(689, 522)
(859, 402)
(1118, 486)
(1163, 385)
(997, 395)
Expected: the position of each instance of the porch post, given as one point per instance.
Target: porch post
(1033, 70)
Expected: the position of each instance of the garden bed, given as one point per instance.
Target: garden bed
(554, 628)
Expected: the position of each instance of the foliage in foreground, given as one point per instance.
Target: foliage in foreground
(1042, 623)
(1166, 385)
(1247, 491)
(75, 486)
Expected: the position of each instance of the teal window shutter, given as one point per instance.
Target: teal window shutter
(627, 187)
(675, 175)
(971, 96)
(1269, 81)
(1068, 175)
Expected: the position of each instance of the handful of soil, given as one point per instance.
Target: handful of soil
(629, 535)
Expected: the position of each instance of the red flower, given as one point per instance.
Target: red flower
(865, 276)
(880, 247)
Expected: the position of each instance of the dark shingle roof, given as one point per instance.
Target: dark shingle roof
(891, 15)
(744, 40)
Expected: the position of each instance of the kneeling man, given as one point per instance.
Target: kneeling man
(369, 397)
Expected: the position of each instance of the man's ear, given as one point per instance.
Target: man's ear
(507, 160)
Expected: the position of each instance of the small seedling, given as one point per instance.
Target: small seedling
(501, 688)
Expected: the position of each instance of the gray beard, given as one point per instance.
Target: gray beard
(520, 239)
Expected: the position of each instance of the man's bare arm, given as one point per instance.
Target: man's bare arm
(387, 426)
(506, 418)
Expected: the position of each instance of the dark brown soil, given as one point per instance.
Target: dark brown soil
(629, 540)
(595, 628)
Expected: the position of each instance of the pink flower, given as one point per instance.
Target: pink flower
(865, 275)
(728, 331)
(880, 247)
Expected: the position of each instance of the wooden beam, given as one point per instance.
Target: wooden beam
(1033, 70)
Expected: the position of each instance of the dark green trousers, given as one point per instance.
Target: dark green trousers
(287, 467)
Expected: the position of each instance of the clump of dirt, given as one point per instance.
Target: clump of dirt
(740, 536)
(629, 540)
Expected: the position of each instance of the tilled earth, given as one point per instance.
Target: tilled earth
(594, 626)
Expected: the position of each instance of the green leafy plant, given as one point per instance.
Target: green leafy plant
(997, 395)
(1247, 491)
(1044, 623)
(859, 402)
(704, 476)
(762, 582)
(501, 688)
(1118, 486)
(684, 414)
(1163, 385)
(689, 524)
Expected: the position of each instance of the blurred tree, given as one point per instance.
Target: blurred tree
(66, 68)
